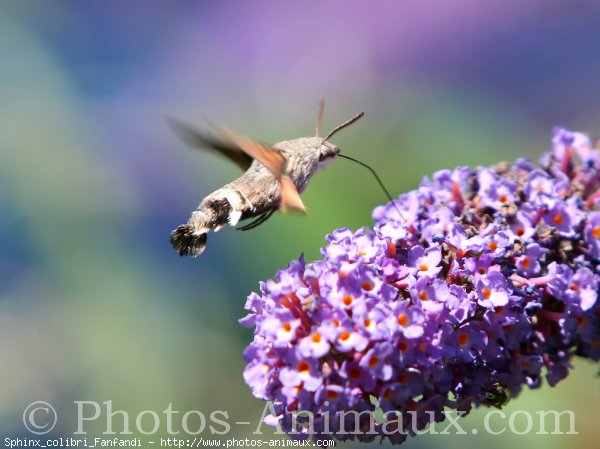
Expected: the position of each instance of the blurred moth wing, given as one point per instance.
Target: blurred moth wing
(242, 150)
(197, 139)
(275, 162)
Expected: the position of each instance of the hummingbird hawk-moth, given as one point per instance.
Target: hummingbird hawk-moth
(273, 179)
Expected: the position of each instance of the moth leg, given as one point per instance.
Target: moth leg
(260, 220)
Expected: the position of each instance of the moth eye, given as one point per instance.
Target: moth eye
(322, 157)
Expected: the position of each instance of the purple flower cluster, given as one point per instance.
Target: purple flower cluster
(477, 283)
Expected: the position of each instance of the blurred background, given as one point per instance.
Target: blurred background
(94, 303)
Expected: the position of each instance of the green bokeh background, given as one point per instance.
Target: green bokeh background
(95, 305)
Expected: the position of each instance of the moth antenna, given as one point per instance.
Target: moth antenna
(379, 181)
(343, 125)
(320, 113)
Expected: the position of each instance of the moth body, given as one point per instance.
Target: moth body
(273, 179)
(255, 193)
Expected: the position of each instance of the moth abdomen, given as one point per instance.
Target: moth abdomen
(187, 241)
(213, 213)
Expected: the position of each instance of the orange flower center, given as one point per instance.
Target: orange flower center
(303, 367)
(354, 374)
(402, 319)
(374, 361)
(344, 336)
(596, 232)
(367, 286)
(463, 339)
(486, 292)
(348, 300)
(316, 337)
(332, 395)
(391, 250)
(558, 219)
